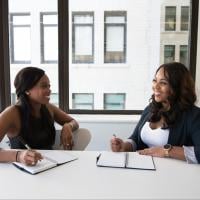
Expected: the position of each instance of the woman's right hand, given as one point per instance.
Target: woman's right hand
(117, 144)
(29, 157)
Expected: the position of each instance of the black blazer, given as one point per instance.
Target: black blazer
(186, 130)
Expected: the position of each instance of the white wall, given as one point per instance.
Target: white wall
(102, 128)
(102, 133)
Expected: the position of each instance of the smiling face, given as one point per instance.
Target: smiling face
(161, 87)
(41, 92)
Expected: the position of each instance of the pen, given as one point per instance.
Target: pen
(29, 148)
(114, 136)
(24, 143)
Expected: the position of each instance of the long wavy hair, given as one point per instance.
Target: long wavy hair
(183, 94)
(25, 80)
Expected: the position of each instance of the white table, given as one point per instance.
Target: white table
(82, 179)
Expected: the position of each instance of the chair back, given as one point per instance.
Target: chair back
(81, 138)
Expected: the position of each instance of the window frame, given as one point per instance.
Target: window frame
(123, 25)
(105, 103)
(12, 47)
(74, 60)
(74, 94)
(181, 19)
(63, 42)
(174, 53)
(175, 22)
(42, 27)
(180, 52)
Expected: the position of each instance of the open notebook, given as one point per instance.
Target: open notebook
(132, 160)
(51, 159)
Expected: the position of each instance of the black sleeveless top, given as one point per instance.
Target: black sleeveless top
(40, 134)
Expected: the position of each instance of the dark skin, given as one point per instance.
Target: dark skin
(10, 121)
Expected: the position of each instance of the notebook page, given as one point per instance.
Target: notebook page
(59, 157)
(112, 159)
(138, 161)
(40, 166)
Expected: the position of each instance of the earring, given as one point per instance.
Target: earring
(27, 93)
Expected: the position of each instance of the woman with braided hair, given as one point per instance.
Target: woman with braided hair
(32, 117)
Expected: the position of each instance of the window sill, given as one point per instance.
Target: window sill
(107, 118)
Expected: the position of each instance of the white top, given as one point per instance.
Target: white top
(154, 137)
(159, 137)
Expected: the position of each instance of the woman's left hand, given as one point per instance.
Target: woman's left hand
(66, 138)
(153, 151)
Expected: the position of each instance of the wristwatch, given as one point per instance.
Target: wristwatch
(167, 149)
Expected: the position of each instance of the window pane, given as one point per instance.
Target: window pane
(83, 19)
(115, 19)
(50, 48)
(184, 18)
(114, 101)
(184, 54)
(22, 48)
(115, 39)
(50, 19)
(83, 41)
(83, 101)
(21, 20)
(49, 32)
(82, 37)
(34, 40)
(169, 53)
(115, 34)
(54, 99)
(170, 18)
(13, 98)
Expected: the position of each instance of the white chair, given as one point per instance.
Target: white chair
(81, 138)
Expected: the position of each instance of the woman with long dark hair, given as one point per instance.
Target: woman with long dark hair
(32, 117)
(170, 124)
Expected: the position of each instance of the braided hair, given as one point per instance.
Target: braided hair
(25, 80)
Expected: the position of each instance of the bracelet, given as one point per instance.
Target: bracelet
(72, 126)
(17, 156)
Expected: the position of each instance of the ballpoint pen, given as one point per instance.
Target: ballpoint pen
(27, 146)
(23, 142)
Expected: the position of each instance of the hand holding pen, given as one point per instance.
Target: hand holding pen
(29, 156)
(116, 144)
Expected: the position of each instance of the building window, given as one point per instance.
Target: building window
(49, 37)
(114, 101)
(54, 99)
(13, 98)
(184, 54)
(20, 38)
(184, 18)
(82, 37)
(170, 18)
(115, 37)
(169, 53)
(83, 101)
